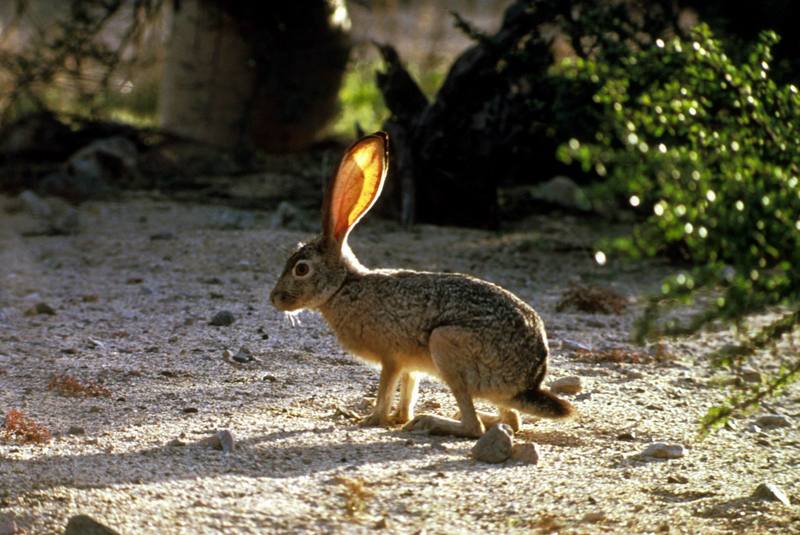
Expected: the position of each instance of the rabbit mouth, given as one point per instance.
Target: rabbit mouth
(284, 301)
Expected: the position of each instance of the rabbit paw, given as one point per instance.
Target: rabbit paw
(399, 418)
(424, 423)
(374, 420)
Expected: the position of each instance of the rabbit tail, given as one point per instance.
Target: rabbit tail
(542, 403)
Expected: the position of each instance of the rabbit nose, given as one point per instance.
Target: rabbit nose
(277, 297)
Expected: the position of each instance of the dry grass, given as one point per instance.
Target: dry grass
(67, 385)
(21, 429)
(355, 494)
(625, 356)
(592, 300)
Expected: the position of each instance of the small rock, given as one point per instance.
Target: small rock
(176, 443)
(583, 396)
(223, 318)
(226, 440)
(189, 410)
(40, 308)
(86, 525)
(678, 479)
(158, 236)
(495, 445)
(221, 440)
(750, 375)
(773, 420)
(594, 517)
(562, 191)
(566, 385)
(76, 430)
(285, 216)
(244, 356)
(771, 492)
(662, 450)
(228, 219)
(383, 523)
(573, 345)
(627, 435)
(8, 526)
(58, 217)
(527, 453)
(752, 428)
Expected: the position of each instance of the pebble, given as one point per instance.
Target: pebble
(771, 492)
(678, 479)
(162, 236)
(593, 517)
(750, 375)
(573, 345)
(221, 440)
(495, 445)
(527, 453)
(285, 216)
(86, 525)
(9, 527)
(40, 308)
(190, 410)
(566, 385)
(627, 435)
(244, 356)
(752, 428)
(223, 318)
(176, 443)
(662, 450)
(773, 420)
(76, 430)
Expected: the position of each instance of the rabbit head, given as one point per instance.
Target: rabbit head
(317, 269)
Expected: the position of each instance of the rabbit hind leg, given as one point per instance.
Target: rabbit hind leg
(449, 347)
(469, 425)
(503, 416)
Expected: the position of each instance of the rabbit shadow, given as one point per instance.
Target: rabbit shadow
(274, 455)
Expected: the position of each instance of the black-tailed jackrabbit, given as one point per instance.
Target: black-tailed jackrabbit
(478, 338)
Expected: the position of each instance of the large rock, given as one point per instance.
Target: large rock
(566, 385)
(771, 492)
(86, 525)
(495, 445)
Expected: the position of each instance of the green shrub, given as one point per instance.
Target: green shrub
(708, 151)
(361, 101)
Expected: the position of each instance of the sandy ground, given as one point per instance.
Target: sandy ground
(133, 292)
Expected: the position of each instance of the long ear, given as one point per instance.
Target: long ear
(356, 186)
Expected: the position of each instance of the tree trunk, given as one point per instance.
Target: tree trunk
(263, 75)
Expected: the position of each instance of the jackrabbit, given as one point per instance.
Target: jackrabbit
(478, 338)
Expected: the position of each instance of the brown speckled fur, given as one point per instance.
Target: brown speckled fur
(480, 339)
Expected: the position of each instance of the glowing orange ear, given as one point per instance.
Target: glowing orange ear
(356, 186)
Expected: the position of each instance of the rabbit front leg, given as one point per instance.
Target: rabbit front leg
(408, 397)
(390, 373)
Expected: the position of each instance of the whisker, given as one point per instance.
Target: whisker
(293, 317)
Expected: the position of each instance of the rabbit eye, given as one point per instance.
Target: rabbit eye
(302, 269)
